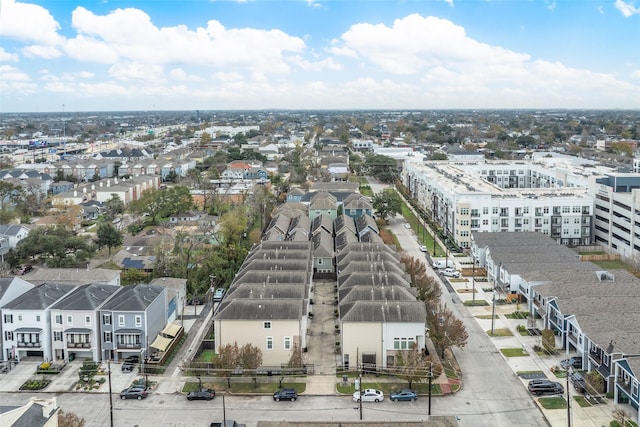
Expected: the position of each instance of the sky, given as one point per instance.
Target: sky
(123, 55)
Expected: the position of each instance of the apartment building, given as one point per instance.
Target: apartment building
(501, 196)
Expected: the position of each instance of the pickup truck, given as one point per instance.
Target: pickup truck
(227, 423)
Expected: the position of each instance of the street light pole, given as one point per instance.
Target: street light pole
(473, 283)
(493, 313)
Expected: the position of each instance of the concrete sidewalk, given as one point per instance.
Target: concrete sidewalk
(594, 416)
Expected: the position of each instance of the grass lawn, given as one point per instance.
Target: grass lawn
(517, 315)
(513, 352)
(501, 332)
(581, 401)
(560, 373)
(520, 373)
(207, 356)
(479, 302)
(553, 402)
(484, 316)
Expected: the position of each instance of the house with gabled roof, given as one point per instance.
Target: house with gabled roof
(26, 321)
(356, 205)
(37, 412)
(132, 319)
(323, 203)
(365, 224)
(14, 233)
(10, 289)
(75, 326)
(322, 223)
(323, 254)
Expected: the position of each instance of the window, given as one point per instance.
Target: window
(120, 320)
(8, 336)
(69, 319)
(107, 336)
(8, 318)
(287, 343)
(57, 336)
(403, 343)
(266, 325)
(19, 317)
(106, 319)
(59, 319)
(269, 343)
(37, 318)
(138, 321)
(87, 320)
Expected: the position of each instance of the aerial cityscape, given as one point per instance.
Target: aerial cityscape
(283, 213)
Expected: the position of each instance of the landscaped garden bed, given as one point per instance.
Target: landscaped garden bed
(35, 384)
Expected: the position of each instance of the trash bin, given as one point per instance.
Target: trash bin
(72, 357)
(345, 378)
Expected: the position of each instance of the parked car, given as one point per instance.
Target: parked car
(218, 294)
(450, 272)
(404, 394)
(542, 387)
(130, 363)
(202, 394)
(135, 392)
(423, 248)
(285, 394)
(407, 225)
(369, 395)
(578, 381)
(572, 362)
(24, 269)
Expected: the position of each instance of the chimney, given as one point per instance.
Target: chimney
(108, 183)
(101, 184)
(75, 193)
(84, 190)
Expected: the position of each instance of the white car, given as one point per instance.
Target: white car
(369, 395)
(423, 248)
(407, 225)
(450, 272)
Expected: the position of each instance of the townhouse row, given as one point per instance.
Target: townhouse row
(100, 321)
(595, 312)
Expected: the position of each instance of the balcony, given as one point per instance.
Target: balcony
(78, 345)
(596, 358)
(626, 387)
(28, 344)
(128, 346)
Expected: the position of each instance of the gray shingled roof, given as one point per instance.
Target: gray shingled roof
(382, 266)
(75, 276)
(525, 239)
(265, 309)
(351, 253)
(379, 311)
(344, 238)
(133, 298)
(273, 277)
(322, 223)
(357, 201)
(40, 297)
(365, 221)
(322, 245)
(372, 279)
(87, 297)
(264, 291)
(343, 222)
(372, 293)
(370, 236)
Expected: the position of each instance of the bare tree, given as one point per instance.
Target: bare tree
(227, 361)
(250, 357)
(445, 330)
(69, 419)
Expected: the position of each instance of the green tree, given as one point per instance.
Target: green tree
(411, 366)
(113, 207)
(150, 202)
(439, 156)
(384, 168)
(387, 203)
(108, 236)
(54, 246)
(595, 381)
(175, 200)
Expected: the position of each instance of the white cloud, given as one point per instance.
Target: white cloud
(13, 80)
(28, 23)
(635, 74)
(129, 35)
(7, 57)
(137, 71)
(181, 75)
(627, 9)
(86, 48)
(41, 51)
(449, 2)
(415, 44)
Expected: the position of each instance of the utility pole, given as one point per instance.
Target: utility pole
(110, 395)
(430, 381)
(568, 398)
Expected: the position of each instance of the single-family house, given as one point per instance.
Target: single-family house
(26, 322)
(75, 326)
(131, 319)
